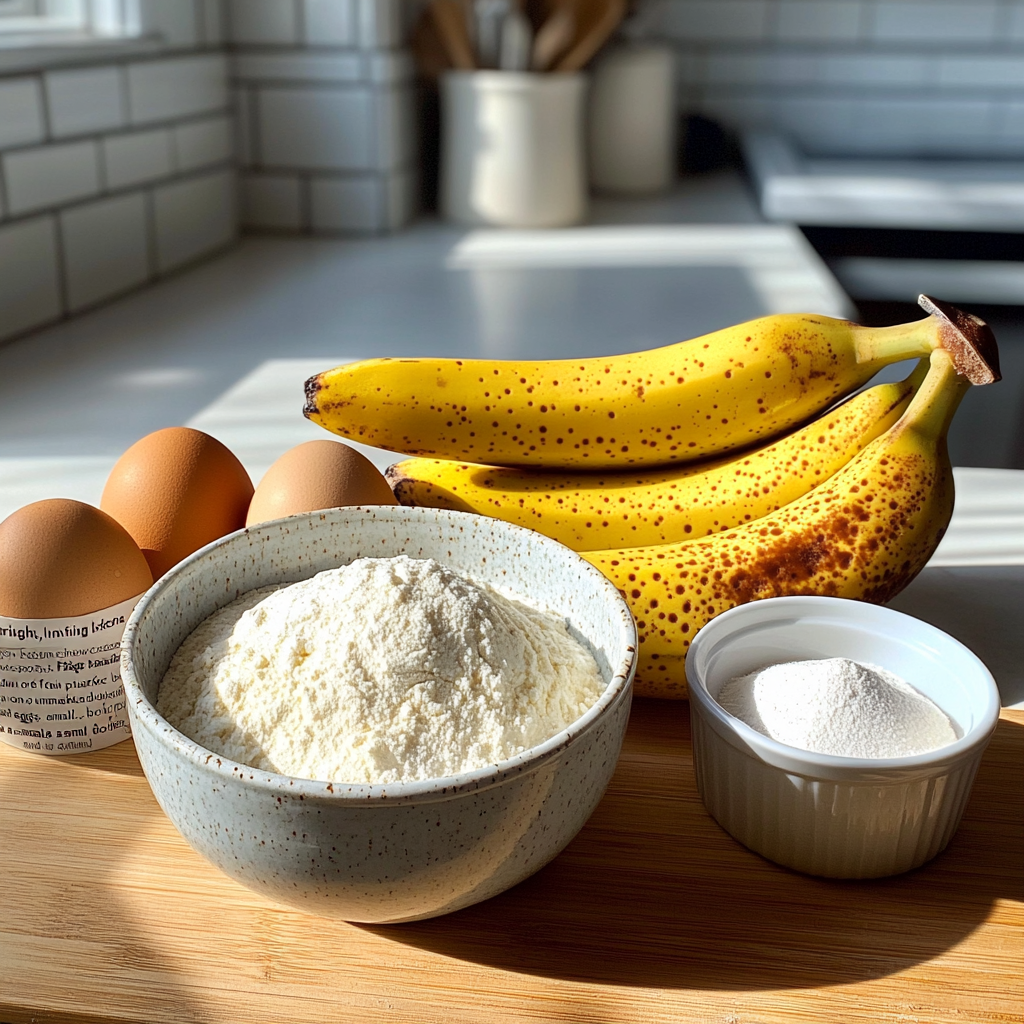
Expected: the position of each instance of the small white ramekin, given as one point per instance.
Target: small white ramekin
(838, 817)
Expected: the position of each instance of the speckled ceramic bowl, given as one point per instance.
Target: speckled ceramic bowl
(390, 853)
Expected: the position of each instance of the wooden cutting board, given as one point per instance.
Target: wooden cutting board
(652, 914)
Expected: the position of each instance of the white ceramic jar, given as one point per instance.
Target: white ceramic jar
(631, 123)
(512, 148)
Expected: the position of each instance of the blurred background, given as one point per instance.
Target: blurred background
(204, 201)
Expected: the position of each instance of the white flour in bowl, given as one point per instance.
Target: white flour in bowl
(386, 670)
(838, 706)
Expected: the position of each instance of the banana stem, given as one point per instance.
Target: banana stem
(880, 346)
(917, 376)
(932, 408)
(967, 338)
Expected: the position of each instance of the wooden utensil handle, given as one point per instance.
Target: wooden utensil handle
(553, 38)
(596, 34)
(451, 28)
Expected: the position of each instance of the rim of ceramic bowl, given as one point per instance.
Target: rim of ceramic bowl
(618, 688)
(717, 632)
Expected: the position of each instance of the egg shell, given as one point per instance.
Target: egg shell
(61, 557)
(176, 490)
(316, 475)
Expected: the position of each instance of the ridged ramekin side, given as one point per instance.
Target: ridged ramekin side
(856, 829)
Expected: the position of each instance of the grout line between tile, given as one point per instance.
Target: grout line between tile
(199, 16)
(4, 204)
(151, 240)
(216, 167)
(62, 274)
(101, 163)
(255, 141)
(118, 131)
(44, 107)
(126, 99)
(305, 203)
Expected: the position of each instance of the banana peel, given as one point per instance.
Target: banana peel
(864, 534)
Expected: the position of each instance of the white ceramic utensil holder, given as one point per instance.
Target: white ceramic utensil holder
(512, 150)
(631, 121)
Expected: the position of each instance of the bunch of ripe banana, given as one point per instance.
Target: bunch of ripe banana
(795, 494)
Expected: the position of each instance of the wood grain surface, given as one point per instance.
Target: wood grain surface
(652, 914)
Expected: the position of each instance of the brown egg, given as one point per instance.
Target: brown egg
(174, 491)
(315, 475)
(62, 557)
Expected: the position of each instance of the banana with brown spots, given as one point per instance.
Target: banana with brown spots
(720, 393)
(657, 506)
(863, 534)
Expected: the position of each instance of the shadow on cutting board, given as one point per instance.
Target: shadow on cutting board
(653, 893)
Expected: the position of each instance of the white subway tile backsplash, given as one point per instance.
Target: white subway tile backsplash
(1015, 32)
(50, 175)
(243, 118)
(380, 24)
(690, 66)
(213, 22)
(331, 23)
(891, 77)
(177, 87)
(991, 70)
(338, 98)
(21, 112)
(1007, 147)
(175, 21)
(714, 20)
(876, 70)
(819, 21)
(390, 67)
(793, 68)
(298, 66)
(926, 22)
(816, 122)
(263, 21)
(85, 100)
(1011, 118)
(193, 218)
(202, 143)
(272, 201)
(317, 129)
(935, 126)
(347, 204)
(395, 117)
(765, 68)
(106, 249)
(923, 115)
(137, 158)
(30, 283)
(737, 110)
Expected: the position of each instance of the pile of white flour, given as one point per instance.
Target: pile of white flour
(838, 706)
(386, 670)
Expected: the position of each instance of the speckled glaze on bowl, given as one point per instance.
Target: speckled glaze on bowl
(400, 852)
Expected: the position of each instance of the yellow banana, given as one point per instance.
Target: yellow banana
(601, 510)
(725, 391)
(864, 534)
